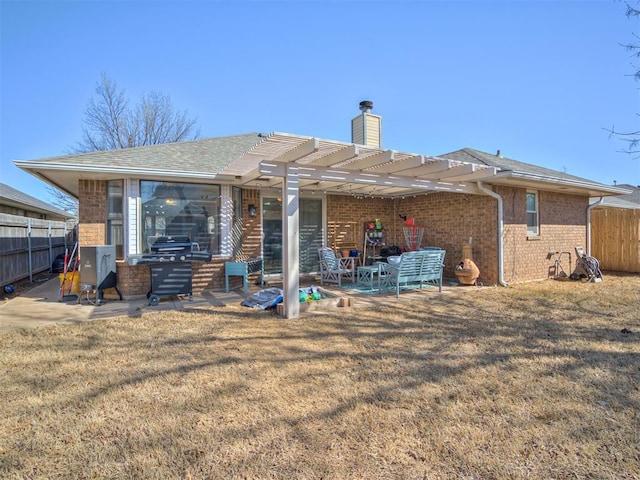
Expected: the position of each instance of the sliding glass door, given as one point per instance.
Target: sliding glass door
(311, 234)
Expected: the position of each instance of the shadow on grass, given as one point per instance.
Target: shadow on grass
(439, 351)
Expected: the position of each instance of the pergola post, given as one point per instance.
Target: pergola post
(291, 242)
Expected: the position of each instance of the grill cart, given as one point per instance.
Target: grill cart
(170, 264)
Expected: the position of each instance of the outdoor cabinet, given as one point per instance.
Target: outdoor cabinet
(98, 268)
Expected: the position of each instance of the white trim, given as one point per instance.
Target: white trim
(226, 220)
(132, 207)
(531, 232)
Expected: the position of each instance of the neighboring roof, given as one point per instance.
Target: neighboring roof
(258, 161)
(514, 172)
(15, 198)
(630, 200)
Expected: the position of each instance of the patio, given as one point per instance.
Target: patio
(40, 305)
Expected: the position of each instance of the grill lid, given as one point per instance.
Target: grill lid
(171, 244)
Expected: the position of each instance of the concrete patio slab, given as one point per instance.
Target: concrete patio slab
(41, 306)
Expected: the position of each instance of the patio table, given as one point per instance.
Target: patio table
(368, 274)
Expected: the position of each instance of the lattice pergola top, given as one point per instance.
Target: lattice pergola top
(346, 168)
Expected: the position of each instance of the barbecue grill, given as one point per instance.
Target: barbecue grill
(170, 264)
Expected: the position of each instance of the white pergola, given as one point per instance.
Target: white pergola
(297, 163)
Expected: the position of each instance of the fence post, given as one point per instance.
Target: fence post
(30, 251)
(50, 246)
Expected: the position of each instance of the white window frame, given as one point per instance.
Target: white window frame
(533, 230)
(133, 228)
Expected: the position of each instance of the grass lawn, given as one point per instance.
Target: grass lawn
(534, 381)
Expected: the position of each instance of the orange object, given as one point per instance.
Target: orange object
(69, 284)
(467, 272)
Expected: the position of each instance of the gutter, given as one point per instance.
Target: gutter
(589, 223)
(119, 170)
(493, 194)
(535, 177)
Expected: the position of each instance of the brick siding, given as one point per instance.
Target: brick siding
(563, 220)
(450, 219)
(92, 212)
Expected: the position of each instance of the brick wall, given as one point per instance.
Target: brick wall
(252, 226)
(135, 280)
(450, 220)
(562, 228)
(345, 213)
(132, 280)
(92, 212)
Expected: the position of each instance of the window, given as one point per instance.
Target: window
(115, 228)
(533, 225)
(170, 209)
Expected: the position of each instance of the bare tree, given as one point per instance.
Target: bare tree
(632, 138)
(63, 201)
(111, 124)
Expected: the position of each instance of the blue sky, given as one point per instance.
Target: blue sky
(539, 80)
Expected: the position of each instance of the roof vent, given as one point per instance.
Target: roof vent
(366, 106)
(499, 154)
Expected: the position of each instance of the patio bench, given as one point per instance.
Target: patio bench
(424, 266)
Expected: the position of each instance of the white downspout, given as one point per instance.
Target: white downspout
(493, 194)
(589, 223)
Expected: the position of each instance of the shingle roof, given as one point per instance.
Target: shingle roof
(14, 196)
(209, 155)
(508, 164)
(634, 196)
(630, 200)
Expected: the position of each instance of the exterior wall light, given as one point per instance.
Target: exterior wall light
(253, 211)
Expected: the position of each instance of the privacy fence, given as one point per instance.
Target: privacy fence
(615, 238)
(29, 245)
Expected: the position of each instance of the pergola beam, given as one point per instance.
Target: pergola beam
(372, 161)
(339, 156)
(277, 169)
(429, 167)
(400, 165)
(457, 171)
(306, 148)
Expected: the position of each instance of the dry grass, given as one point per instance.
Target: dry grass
(536, 381)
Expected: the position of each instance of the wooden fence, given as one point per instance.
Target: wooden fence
(29, 245)
(615, 238)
